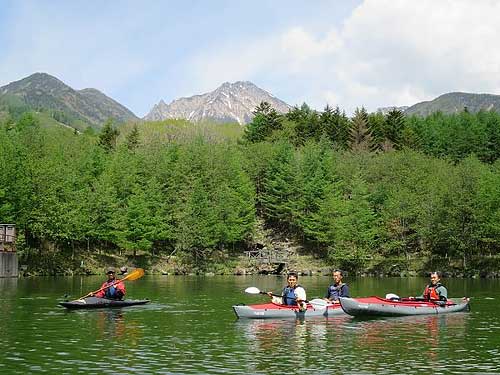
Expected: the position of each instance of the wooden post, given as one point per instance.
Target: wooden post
(9, 266)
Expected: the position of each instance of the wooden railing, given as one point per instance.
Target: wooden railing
(268, 256)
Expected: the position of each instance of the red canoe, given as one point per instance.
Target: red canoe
(377, 306)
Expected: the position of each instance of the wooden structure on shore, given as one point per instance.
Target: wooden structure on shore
(9, 266)
(274, 259)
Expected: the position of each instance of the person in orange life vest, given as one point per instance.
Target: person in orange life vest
(435, 291)
(116, 291)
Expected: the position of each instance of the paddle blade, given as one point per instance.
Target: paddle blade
(135, 274)
(392, 296)
(252, 290)
(319, 303)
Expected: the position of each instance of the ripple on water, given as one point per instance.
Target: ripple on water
(184, 336)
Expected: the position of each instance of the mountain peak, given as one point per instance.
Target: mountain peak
(230, 102)
(36, 80)
(44, 91)
(40, 76)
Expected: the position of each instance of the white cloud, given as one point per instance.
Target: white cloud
(384, 52)
(387, 52)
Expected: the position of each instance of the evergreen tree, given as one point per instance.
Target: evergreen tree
(108, 136)
(307, 123)
(360, 136)
(393, 128)
(335, 125)
(326, 123)
(144, 217)
(491, 147)
(266, 120)
(133, 138)
(315, 174)
(354, 230)
(376, 124)
(461, 207)
(410, 139)
(487, 213)
(279, 190)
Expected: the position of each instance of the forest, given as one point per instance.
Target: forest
(348, 188)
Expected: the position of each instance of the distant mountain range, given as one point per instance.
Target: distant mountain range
(230, 102)
(454, 102)
(41, 91)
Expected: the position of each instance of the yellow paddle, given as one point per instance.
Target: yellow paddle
(134, 275)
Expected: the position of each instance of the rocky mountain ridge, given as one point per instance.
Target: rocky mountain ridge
(230, 102)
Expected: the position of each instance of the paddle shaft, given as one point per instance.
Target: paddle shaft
(276, 295)
(105, 287)
(315, 302)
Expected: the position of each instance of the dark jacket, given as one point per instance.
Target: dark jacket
(335, 291)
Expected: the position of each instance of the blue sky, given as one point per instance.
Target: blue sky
(341, 52)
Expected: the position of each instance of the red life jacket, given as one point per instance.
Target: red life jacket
(119, 287)
(430, 292)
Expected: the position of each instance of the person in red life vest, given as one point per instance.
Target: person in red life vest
(435, 291)
(116, 291)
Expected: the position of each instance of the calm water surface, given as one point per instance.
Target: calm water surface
(190, 328)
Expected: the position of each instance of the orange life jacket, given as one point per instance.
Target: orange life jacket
(430, 292)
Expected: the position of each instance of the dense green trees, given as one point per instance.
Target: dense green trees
(450, 136)
(370, 186)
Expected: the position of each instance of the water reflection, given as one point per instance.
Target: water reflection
(424, 331)
(295, 342)
(112, 324)
(426, 340)
(8, 287)
(368, 344)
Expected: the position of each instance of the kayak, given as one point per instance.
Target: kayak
(377, 306)
(94, 303)
(274, 310)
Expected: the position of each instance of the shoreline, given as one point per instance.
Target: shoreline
(305, 265)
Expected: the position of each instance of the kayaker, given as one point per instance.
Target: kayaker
(435, 291)
(293, 294)
(337, 289)
(116, 291)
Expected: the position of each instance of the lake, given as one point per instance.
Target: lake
(189, 327)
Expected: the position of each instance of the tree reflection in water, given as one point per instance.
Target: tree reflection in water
(365, 341)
